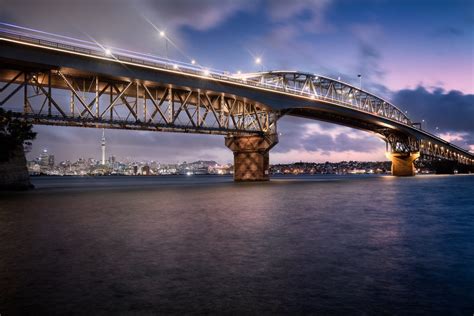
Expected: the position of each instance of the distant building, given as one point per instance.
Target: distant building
(44, 158)
(46, 161)
(146, 170)
(51, 161)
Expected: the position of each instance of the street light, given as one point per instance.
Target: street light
(108, 52)
(163, 35)
(258, 61)
(193, 61)
(360, 80)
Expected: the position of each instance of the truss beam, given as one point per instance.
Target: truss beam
(148, 107)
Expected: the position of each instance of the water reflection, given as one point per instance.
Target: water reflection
(295, 245)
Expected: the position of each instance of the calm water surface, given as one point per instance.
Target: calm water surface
(333, 245)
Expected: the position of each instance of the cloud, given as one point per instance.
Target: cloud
(452, 112)
(323, 138)
(453, 137)
(308, 15)
(293, 36)
(319, 156)
(121, 23)
(369, 56)
(199, 15)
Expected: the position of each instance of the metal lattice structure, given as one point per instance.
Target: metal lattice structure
(55, 97)
(327, 90)
(433, 150)
(428, 148)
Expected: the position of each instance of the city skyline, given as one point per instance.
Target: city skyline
(45, 164)
(424, 66)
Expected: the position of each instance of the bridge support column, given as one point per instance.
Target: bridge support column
(251, 156)
(403, 163)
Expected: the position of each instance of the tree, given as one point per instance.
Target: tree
(13, 133)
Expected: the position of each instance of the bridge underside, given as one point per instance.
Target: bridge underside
(403, 147)
(66, 97)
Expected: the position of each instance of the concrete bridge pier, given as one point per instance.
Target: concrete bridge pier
(251, 156)
(403, 163)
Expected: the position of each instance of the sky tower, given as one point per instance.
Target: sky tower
(103, 146)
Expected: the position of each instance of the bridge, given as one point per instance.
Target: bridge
(53, 80)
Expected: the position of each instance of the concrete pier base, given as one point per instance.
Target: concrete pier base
(251, 156)
(403, 164)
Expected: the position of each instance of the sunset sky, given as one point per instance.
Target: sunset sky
(418, 54)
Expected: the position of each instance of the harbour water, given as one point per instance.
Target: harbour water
(363, 245)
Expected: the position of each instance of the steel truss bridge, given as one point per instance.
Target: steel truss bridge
(57, 82)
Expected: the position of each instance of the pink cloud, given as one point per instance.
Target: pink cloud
(453, 136)
(323, 156)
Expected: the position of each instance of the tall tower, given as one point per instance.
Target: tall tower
(103, 146)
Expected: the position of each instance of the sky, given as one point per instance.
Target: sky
(419, 54)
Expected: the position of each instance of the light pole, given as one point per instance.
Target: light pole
(360, 81)
(163, 34)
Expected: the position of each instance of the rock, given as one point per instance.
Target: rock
(13, 172)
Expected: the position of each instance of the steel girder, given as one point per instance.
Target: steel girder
(428, 149)
(54, 97)
(400, 143)
(326, 89)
